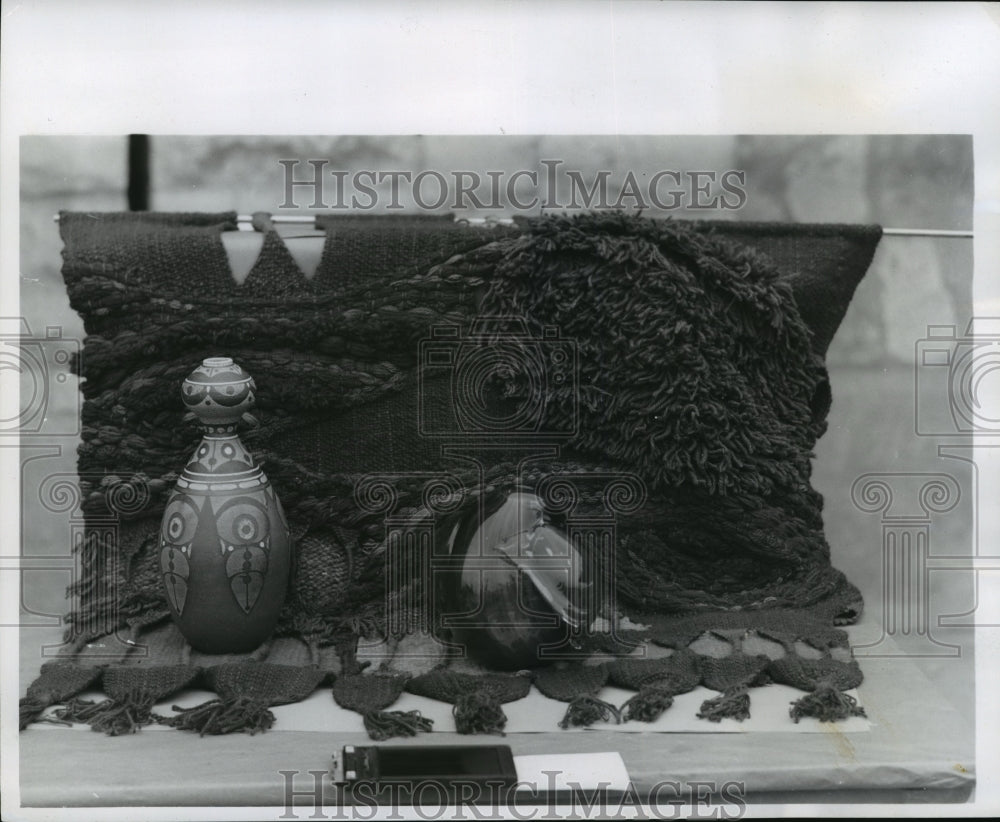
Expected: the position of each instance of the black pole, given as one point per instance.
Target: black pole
(138, 172)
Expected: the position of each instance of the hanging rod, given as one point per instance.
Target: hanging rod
(305, 219)
(894, 232)
(925, 232)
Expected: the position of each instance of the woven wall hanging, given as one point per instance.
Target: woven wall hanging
(687, 429)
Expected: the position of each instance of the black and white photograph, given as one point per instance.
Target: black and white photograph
(405, 441)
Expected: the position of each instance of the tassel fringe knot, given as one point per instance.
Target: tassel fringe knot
(733, 704)
(478, 713)
(111, 716)
(221, 716)
(827, 704)
(383, 725)
(586, 710)
(647, 705)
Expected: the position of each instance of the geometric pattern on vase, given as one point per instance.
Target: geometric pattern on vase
(224, 537)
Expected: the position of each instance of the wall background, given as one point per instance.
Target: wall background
(907, 181)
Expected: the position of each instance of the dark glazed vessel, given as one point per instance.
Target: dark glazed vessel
(225, 549)
(516, 590)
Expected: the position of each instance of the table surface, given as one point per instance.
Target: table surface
(919, 748)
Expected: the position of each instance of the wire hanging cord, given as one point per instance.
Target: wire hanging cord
(310, 219)
(926, 232)
(306, 219)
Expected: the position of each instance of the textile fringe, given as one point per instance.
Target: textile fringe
(57, 682)
(578, 685)
(648, 704)
(734, 704)
(369, 695)
(827, 704)
(479, 712)
(587, 709)
(223, 716)
(475, 699)
(133, 691)
(111, 716)
(247, 690)
(382, 725)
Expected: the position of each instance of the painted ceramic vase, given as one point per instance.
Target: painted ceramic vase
(517, 583)
(225, 548)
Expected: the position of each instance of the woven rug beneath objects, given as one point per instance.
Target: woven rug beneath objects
(700, 373)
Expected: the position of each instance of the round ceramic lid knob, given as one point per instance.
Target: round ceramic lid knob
(219, 392)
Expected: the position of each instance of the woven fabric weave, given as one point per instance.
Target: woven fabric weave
(700, 372)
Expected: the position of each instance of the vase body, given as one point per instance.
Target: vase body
(518, 587)
(225, 547)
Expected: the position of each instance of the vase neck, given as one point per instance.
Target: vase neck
(221, 456)
(219, 431)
